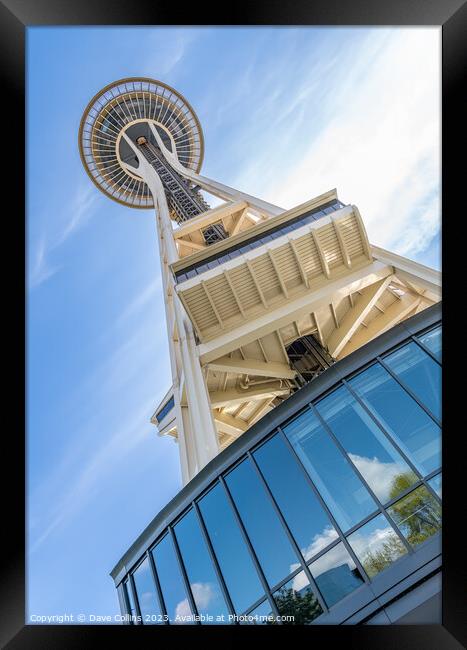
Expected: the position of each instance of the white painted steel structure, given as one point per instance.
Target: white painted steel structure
(230, 318)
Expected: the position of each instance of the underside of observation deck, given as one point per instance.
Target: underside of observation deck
(307, 279)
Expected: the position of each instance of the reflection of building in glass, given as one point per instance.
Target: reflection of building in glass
(304, 398)
(338, 581)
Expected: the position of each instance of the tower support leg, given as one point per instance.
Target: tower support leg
(197, 434)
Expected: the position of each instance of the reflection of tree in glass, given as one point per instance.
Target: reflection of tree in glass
(376, 561)
(418, 514)
(304, 607)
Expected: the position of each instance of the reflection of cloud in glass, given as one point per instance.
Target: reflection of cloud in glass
(376, 545)
(203, 594)
(336, 574)
(337, 556)
(297, 599)
(182, 610)
(146, 598)
(436, 484)
(378, 475)
(319, 542)
(300, 581)
(372, 543)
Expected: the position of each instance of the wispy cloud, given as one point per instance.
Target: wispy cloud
(379, 475)
(378, 142)
(203, 593)
(71, 218)
(148, 294)
(40, 269)
(78, 214)
(167, 49)
(99, 462)
(116, 401)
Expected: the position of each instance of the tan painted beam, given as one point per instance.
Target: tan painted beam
(322, 258)
(396, 312)
(299, 263)
(260, 411)
(239, 395)
(256, 283)
(253, 367)
(195, 246)
(284, 239)
(354, 316)
(363, 233)
(270, 254)
(420, 286)
(318, 328)
(410, 271)
(231, 425)
(238, 222)
(343, 247)
(234, 293)
(275, 319)
(211, 302)
(209, 217)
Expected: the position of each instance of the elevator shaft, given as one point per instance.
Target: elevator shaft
(184, 201)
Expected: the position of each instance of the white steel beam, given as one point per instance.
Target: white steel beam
(228, 423)
(214, 187)
(252, 367)
(410, 271)
(195, 246)
(343, 247)
(321, 255)
(238, 222)
(396, 312)
(354, 316)
(294, 309)
(262, 408)
(209, 217)
(255, 392)
(197, 434)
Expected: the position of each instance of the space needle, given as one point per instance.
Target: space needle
(259, 301)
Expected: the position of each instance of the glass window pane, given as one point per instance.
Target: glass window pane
(376, 545)
(433, 341)
(336, 574)
(306, 518)
(261, 615)
(173, 589)
(200, 571)
(296, 601)
(147, 595)
(273, 549)
(436, 484)
(418, 515)
(380, 464)
(414, 431)
(341, 489)
(234, 559)
(131, 600)
(420, 373)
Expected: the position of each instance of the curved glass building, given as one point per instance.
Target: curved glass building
(327, 510)
(305, 394)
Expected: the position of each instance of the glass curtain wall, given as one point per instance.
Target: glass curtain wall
(319, 507)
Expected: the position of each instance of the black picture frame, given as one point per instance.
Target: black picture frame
(15, 17)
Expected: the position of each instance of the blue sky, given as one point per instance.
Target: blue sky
(287, 113)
